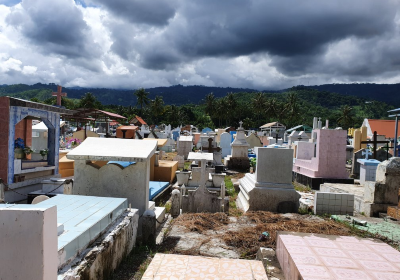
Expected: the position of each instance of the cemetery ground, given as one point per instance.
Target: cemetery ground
(237, 235)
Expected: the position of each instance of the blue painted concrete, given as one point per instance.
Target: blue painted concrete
(175, 135)
(52, 121)
(369, 162)
(206, 130)
(84, 218)
(232, 133)
(156, 188)
(122, 164)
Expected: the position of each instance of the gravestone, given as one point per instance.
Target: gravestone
(180, 160)
(253, 141)
(367, 170)
(185, 145)
(270, 188)
(225, 144)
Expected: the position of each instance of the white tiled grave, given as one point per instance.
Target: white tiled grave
(84, 218)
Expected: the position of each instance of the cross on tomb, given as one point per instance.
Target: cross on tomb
(210, 148)
(366, 153)
(276, 138)
(374, 143)
(59, 94)
(299, 138)
(240, 124)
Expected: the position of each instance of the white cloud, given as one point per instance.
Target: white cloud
(250, 43)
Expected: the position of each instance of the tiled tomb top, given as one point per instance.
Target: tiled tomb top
(317, 256)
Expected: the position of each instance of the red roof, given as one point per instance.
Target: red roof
(112, 114)
(383, 127)
(137, 119)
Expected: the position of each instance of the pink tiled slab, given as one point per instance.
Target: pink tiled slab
(337, 257)
(182, 267)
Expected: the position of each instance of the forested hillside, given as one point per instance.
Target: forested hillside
(216, 107)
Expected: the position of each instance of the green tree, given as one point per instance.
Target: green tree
(345, 117)
(142, 98)
(89, 101)
(291, 108)
(258, 104)
(157, 108)
(231, 106)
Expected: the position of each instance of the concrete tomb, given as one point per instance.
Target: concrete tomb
(201, 199)
(253, 141)
(328, 162)
(319, 256)
(127, 177)
(270, 188)
(239, 151)
(333, 203)
(381, 155)
(64, 230)
(185, 145)
(170, 266)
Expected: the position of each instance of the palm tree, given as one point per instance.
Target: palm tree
(210, 104)
(157, 107)
(231, 105)
(89, 101)
(142, 98)
(272, 108)
(258, 104)
(346, 116)
(291, 108)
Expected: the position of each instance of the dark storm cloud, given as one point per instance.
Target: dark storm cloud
(291, 29)
(152, 12)
(55, 27)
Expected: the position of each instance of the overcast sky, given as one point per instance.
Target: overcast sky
(259, 44)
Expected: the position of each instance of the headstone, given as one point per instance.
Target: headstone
(149, 227)
(180, 160)
(270, 188)
(185, 145)
(225, 144)
(175, 203)
(381, 155)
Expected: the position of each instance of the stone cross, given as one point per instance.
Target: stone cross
(366, 153)
(240, 124)
(59, 94)
(210, 148)
(276, 138)
(374, 142)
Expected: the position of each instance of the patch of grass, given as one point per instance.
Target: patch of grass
(230, 190)
(186, 165)
(301, 188)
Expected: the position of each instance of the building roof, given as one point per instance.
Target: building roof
(138, 119)
(272, 125)
(382, 127)
(127, 127)
(302, 127)
(35, 105)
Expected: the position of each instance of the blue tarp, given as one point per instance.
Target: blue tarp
(122, 164)
(156, 188)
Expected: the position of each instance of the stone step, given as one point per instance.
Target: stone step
(152, 205)
(160, 215)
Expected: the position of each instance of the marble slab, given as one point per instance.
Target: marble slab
(183, 267)
(200, 156)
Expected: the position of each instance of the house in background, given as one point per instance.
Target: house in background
(385, 128)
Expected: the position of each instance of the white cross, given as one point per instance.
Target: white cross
(366, 153)
(240, 123)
